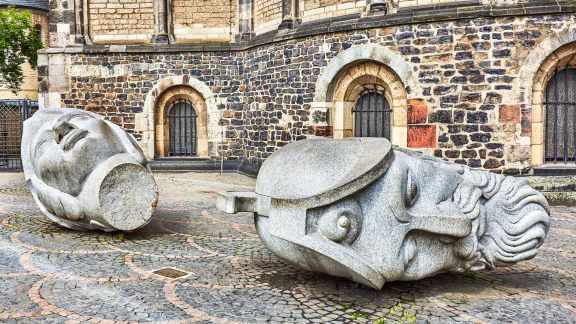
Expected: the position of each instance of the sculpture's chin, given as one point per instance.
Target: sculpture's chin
(516, 225)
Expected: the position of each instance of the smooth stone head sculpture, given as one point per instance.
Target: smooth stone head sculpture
(357, 208)
(85, 172)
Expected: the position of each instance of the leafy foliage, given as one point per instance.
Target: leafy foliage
(19, 42)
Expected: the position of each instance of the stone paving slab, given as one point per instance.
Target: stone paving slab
(52, 275)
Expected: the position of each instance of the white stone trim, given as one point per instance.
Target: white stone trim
(531, 65)
(121, 38)
(544, 53)
(144, 121)
(338, 9)
(370, 52)
(200, 33)
(265, 27)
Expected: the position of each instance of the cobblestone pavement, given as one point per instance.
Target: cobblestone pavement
(52, 275)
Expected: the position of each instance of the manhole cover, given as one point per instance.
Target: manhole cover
(170, 273)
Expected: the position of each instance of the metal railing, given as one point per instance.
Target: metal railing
(13, 113)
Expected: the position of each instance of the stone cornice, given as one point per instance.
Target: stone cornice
(405, 16)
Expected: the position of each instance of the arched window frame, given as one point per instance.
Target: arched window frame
(161, 123)
(348, 85)
(562, 57)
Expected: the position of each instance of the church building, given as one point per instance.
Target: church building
(224, 83)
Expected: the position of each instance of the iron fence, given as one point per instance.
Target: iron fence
(13, 113)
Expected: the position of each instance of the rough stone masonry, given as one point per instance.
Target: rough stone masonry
(468, 83)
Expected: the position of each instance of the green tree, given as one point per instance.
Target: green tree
(19, 42)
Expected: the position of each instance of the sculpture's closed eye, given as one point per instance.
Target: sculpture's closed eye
(411, 191)
(409, 196)
(62, 129)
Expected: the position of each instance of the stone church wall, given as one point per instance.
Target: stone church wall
(465, 101)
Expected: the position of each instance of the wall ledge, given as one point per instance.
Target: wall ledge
(405, 16)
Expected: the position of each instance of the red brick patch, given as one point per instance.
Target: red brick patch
(417, 111)
(510, 114)
(323, 131)
(422, 136)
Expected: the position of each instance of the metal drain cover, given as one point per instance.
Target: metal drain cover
(170, 273)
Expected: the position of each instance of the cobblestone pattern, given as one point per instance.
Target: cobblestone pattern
(467, 70)
(52, 275)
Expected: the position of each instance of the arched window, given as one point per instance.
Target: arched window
(182, 128)
(372, 114)
(560, 101)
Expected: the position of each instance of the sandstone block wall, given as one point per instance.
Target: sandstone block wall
(196, 21)
(201, 20)
(413, 3)
(28, 89)
(318, 9)
(267, 15)
(121, 21)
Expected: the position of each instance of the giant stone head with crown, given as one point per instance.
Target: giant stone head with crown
(360, 209)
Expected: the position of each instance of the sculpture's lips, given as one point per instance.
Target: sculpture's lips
(72, 138)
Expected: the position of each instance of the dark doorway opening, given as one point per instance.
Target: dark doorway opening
(372, 115)
(560, 103)
(182, 126)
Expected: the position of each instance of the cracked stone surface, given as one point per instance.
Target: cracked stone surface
(50, 274)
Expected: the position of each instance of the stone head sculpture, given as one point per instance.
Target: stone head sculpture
(85, 172)
(357, 208)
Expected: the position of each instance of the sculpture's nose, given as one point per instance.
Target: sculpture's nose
(61, 129)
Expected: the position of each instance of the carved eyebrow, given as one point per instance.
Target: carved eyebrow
(44, 137)
(70, 116)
